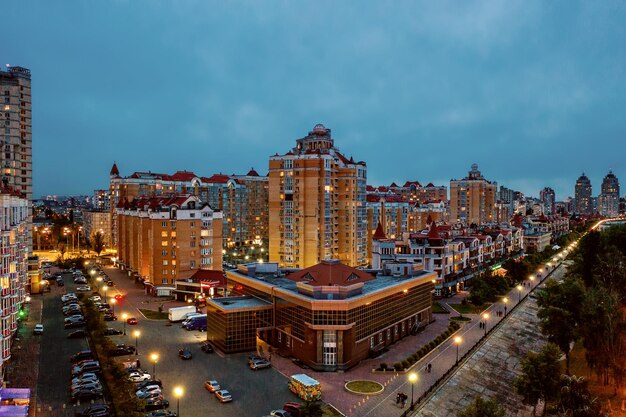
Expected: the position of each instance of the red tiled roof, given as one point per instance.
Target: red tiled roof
(430, 184)
(252, 173)
(433, 232)
(379, 234)
(343, 158)
(394, 185)
(139, 174)
(330, 273)
(370, 188)
(409, 183)
(372, 198)
(209, 275)
(114, 170)
(216, 179)
(183, 176)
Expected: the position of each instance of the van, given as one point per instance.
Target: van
(197, 323)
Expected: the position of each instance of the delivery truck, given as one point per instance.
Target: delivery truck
(179, 313)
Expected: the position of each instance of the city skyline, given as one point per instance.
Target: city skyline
(218, 90)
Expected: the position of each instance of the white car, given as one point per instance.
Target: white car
(38, 329)
(83, 288)
(87, 376)
(138, 377)
(68, 296)
(145, 392)
(95, 298)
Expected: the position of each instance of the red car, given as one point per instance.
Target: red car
(119, 297)
(132, 320)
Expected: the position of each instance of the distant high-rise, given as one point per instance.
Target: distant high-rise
(608, 201)
(472, 199)
(582, 195)
(16, 157)
(317, 204)
(548, 197)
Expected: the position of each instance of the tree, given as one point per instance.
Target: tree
(540, 376)
(575, 400)
(311, 409)
(62, 250)
(482, 408)
(97, 242)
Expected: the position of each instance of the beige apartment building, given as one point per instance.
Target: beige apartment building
(164, 239)
(98, 221)
(472, 199)
(317, 204)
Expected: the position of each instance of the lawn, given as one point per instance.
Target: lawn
(469, 308)
(154, 315)
(364, 386)
(438, 309)
(330, 411)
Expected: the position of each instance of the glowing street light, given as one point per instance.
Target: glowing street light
(457, 342)
(155, 358)
(519, 293)
(412, 380)
(178, 393)
(505, 300)
(136, 333)
(485, 318)
(124, 317)
(113, 301)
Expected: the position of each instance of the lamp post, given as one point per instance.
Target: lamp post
(505, 300)
(178, 392)
(124, 317)
(457, 342)
(155, 358)
(136, 333)
(113, 301)
(98, 281)
(485, 318)
(519, 293)
(412, 380)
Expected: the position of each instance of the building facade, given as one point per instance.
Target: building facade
(14, 221)
(317, 204)
(98, 221)
(330, 316)
(548, 198)
(582, 195)
(472, 199)
(608, 201)
(164, 239)
(100, 200)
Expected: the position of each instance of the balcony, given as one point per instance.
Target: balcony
(6, 354)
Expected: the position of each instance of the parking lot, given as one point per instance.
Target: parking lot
(255, 393)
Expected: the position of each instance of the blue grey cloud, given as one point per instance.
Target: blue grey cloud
(532, 91)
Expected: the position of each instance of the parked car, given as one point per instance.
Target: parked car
(280, 413)
(69, 296)
(142, 384)
(91, 366)
(207, 347)
(82, 395)
(74, 324)
(110, 331)
(38, 329)
(292, 408)
(260, 364)
(139, 376)
(122, 349)
(212, 385)
(86, 385)
(162, 413)
(157, 405)
(150, 389)
(132, 320)
(81, 356)
(109, 317)
(83, 288)
(77, 334)
(87, 376)
(184, 354)
(73, 318)
(223, 395)
(95, 410)
(253, 357)
(60, 282)
(153, 396)
(95, 298)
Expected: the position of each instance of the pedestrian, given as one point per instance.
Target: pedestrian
(398, 395)
(430, 366)
(404, 397)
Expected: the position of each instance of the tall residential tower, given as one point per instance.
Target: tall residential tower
(608, 201)
(317, 204)
(472, 199)
(582, 195)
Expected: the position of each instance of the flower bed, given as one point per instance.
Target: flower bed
(364, 387)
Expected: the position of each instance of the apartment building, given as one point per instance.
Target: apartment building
(243, 199)
(14, 222)
(168, 238)
(582, 195)
(317, 207)
(97, 221)
(472, 199)
(608, 200)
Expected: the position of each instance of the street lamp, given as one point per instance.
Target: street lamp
(136, 333)
(505, 300)
(178, 392)
(155, 358)
(412, 380)
(485, 317)
(98, 280)
(113, 301)
(457, 342)
(124, 317)
(519, 293)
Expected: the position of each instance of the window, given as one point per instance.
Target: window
(372, 342)
(164, 272)
(164, 281)
(163, 253)
(288, 341)
(165, 262)
(329, 347)
(164, 243)
(192, 224)
(164, 233)
(280, 334)
(163, 224)
(192, 264)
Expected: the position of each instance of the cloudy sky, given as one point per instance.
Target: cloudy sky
(532, 91)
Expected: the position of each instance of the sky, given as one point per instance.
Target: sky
(531, 91)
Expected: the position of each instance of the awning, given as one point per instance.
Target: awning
(14, 410)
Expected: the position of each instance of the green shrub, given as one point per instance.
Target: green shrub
(405, 364)
(383, 366)
(397, 366)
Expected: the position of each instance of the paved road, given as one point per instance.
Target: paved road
(53, 385)
(254, 393)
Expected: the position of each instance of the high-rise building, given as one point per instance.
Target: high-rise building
(14, 285)
(16, 157)
(100, 200)
(582, 195)
(608, 200)
(548, 198)
(472, 199)
(317, 207)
